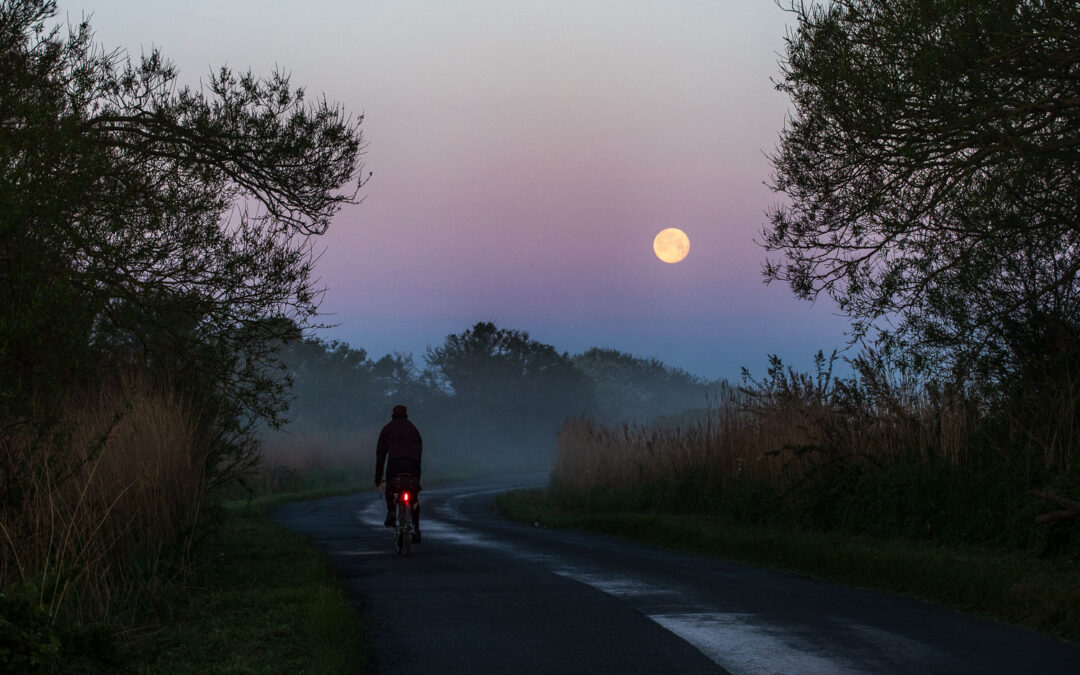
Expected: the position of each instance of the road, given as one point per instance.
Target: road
(484, 595)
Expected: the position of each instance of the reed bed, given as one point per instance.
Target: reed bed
(825, 455)
(742, 438)
(293, 462)
(104, 507)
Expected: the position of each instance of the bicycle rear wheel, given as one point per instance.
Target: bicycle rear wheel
(401, 532)
(406, 530)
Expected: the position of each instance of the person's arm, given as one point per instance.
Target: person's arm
(380, 456)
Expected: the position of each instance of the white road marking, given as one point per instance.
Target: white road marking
(620, 587)
(734, 642)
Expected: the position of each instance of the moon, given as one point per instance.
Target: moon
(671, 245)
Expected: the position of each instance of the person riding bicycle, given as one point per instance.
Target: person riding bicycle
(400, 447)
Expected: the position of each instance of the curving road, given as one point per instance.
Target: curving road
(484, 595)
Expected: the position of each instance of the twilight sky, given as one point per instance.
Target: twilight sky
(525, 154)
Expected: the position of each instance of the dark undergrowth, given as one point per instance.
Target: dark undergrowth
(264, 601)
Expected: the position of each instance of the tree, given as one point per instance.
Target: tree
(337, 388)
(632, 389)
(148, 225)
(932, 166)
(153, 223)
(507, 388)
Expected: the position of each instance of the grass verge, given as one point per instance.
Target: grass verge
(266, 602)
(1039, 594)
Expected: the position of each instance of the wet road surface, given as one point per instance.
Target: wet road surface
(483, 595)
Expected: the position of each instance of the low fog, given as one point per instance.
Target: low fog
(486, 400)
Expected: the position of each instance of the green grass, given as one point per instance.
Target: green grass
(267, 502)
(1039, 594)
(266, 602)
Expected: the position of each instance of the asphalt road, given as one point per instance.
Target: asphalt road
(484, 595)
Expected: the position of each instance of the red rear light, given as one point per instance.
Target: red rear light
(405, 496)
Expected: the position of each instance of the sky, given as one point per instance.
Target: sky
(523, 156)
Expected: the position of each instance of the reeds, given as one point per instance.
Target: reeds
(764, 440)
(873, 454)
(293, 462)
(104, 506)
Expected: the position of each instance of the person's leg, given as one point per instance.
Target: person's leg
(416, 504)
(389, 522)
(416, 520)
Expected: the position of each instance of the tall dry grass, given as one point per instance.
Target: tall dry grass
(813, 453)
(739, 438)
(873, 454)
(293, 462)
(104, 507)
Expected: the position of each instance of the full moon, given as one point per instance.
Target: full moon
(671, 245)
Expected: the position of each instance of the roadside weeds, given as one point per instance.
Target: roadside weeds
(266, 601)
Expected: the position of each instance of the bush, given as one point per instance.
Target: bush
(28, 641)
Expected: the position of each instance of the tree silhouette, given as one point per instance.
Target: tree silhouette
(507, 388)
(932, 164)
(161, 221)
(634, 389)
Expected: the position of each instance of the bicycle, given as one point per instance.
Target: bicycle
(404, 487)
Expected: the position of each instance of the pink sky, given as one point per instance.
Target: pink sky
(525, 154)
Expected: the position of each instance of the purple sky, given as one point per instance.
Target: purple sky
(525, 154)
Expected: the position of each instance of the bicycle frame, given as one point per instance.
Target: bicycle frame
(403, 528)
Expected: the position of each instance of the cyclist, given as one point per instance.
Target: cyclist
(400, 447)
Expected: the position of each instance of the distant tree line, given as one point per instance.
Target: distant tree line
(491, 395)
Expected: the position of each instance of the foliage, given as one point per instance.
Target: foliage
(169, 226)
(337, 388)
(634, 389)
(155, 253)
(33, 641)
(28, 641)
(506, 388)
(931, 164)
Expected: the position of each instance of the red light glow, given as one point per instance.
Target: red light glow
(405, 496)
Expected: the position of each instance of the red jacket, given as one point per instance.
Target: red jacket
(399, 438)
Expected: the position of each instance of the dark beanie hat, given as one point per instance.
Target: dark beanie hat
(399, 411)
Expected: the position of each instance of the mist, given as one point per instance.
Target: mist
(487, 400)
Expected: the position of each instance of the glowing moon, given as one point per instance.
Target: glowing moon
(671, 245)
